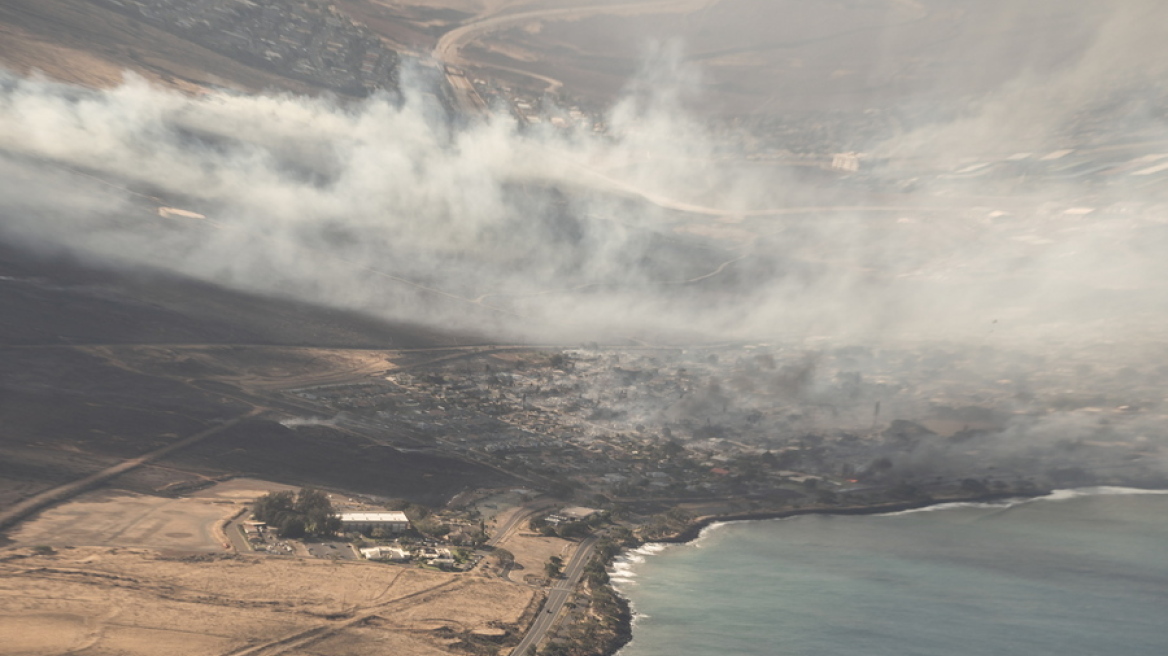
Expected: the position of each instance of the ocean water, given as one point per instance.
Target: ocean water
(1077, 573)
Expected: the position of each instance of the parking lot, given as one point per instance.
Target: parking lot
(339, 550)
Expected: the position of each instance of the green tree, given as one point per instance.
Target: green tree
(310, 499)
(292, 527)
(554, 567)
(573, 530)
(431, 527)
(273, 506)
(295, 515)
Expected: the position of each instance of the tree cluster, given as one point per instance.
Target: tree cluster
(554, 567)
(306, 513)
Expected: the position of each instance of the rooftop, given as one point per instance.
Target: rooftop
(394, 516)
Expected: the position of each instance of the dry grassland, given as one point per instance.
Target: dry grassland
(153, 579)
(533, 551)
(103, 600)
(118, 518)
(252, 368)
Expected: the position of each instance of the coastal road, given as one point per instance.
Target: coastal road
(449, 48)
(557, 597)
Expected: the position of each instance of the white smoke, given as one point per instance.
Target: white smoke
(542, 234)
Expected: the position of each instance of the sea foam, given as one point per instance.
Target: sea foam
(622, 570)
(1076, 578)
(1054, 495)
(1103, 490)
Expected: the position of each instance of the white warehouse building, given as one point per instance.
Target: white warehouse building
(364, 522)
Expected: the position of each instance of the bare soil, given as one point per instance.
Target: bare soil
(113, 572)
(119, 518)
(532, 552)
(137, 601)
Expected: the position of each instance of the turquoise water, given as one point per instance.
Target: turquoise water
(1075, 574)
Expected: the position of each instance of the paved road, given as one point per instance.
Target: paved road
(557, 597)
(22, 510)
(448, 50)
(238, 543)
(517, 517)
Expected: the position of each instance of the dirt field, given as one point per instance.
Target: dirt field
(533, 551)
(133, 601)
(118, 518)
(137, 574)
(254, 368)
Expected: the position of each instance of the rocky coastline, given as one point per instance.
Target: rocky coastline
(625, 616)
(692, 531)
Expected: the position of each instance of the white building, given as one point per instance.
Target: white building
(386, 553)
(364, 522)
(440, 556)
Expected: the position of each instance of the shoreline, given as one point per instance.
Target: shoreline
(626, 618)
(694, 530)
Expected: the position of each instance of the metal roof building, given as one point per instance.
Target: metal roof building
(394, 522)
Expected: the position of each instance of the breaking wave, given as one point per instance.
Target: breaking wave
(1055, 495)
(622, 570)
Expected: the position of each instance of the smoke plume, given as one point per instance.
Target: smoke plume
(653, 231)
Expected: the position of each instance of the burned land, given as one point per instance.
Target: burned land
(70, 405)
(547, 289)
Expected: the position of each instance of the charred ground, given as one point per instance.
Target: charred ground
(99, 366)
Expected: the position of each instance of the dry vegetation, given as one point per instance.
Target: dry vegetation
(114, 572)
(136, 601)
(532, 553)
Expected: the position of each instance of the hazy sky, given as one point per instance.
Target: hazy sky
(651, 232)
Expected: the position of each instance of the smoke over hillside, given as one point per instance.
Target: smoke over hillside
(659, 229)
(965, 278)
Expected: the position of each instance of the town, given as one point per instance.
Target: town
(729, 429)
(324, 46)
(288, 432)
(302, 40)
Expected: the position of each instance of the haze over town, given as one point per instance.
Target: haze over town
(665, 222)
(555, 278)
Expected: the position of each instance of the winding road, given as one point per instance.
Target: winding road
(449, 48)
